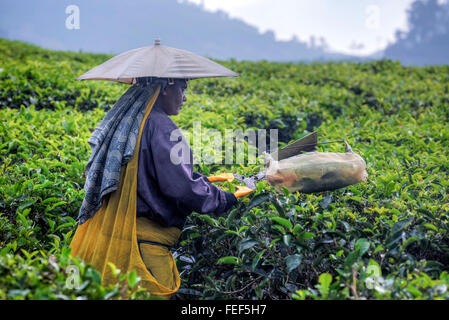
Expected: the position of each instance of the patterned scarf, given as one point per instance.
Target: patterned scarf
(113, 143)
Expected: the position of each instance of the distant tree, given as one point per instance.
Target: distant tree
(427, 41)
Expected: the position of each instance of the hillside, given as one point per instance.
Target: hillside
(113, 26)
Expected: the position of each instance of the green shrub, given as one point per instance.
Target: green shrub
(271, 246)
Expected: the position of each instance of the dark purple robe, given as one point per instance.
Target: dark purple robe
(166, 192)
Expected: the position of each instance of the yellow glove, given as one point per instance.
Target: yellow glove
(242, 191)
(222, 177)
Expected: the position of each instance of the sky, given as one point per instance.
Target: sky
(358, 27)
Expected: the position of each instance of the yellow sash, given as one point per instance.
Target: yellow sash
(111, 235)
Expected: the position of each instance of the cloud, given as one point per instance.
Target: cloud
(339, 22)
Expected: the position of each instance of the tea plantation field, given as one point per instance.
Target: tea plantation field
(387, 238)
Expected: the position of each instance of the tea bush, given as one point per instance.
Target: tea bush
(383, 239)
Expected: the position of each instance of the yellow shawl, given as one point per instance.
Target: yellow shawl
(111, 235)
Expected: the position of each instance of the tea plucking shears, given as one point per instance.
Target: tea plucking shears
(306, 144)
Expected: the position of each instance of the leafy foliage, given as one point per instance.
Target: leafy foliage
(384, 239)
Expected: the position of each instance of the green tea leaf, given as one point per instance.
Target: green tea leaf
(247, 244)
(293, 262)
(286, 223)
(229, 260)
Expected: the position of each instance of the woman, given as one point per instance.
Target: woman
(142, 212)
(167, 193)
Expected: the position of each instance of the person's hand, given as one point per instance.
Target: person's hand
(242, 191)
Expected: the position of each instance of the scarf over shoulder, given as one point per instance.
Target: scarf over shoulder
(113, 143)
